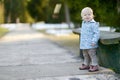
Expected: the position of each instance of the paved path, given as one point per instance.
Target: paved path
(27, 55)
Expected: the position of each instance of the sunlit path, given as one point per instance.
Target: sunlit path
(28, 55)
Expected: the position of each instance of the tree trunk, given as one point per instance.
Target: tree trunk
(67, 15)
(118, 6)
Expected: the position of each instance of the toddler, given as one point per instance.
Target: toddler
(89, 38)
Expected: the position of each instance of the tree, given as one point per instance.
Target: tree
(107, 12)
(38, 9)
(14, 9)
(43, 11)
(1, 11)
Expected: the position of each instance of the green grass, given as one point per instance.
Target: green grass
(70, 42)
(3, 31)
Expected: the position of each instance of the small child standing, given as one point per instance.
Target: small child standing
(89, 38)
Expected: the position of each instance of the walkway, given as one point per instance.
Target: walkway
(27, 55)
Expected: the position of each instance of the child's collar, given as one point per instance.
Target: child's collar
(89, 21)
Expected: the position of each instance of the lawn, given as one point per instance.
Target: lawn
(3, 31)
(70, 42)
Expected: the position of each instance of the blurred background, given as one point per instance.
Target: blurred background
(57, 19)
(107, 12)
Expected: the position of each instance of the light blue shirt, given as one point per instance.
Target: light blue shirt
(89, 34)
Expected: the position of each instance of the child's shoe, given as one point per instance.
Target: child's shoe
(84, 67)
(93, 68)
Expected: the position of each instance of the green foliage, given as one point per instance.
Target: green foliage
(77, 5)
(42, 10)
(14, 9)
(38, 9)
(105, 11)
(3, 31)
(1, 12)
(55, 18)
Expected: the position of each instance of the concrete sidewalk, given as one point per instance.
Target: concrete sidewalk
(27, 55)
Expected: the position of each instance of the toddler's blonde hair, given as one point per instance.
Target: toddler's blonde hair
(86, 10)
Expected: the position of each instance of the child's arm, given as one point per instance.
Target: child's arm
(96, 34)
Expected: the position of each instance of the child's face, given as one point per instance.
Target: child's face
(87, 16)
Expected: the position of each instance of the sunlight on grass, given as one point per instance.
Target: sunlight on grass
(3, 31)
(70, 42)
